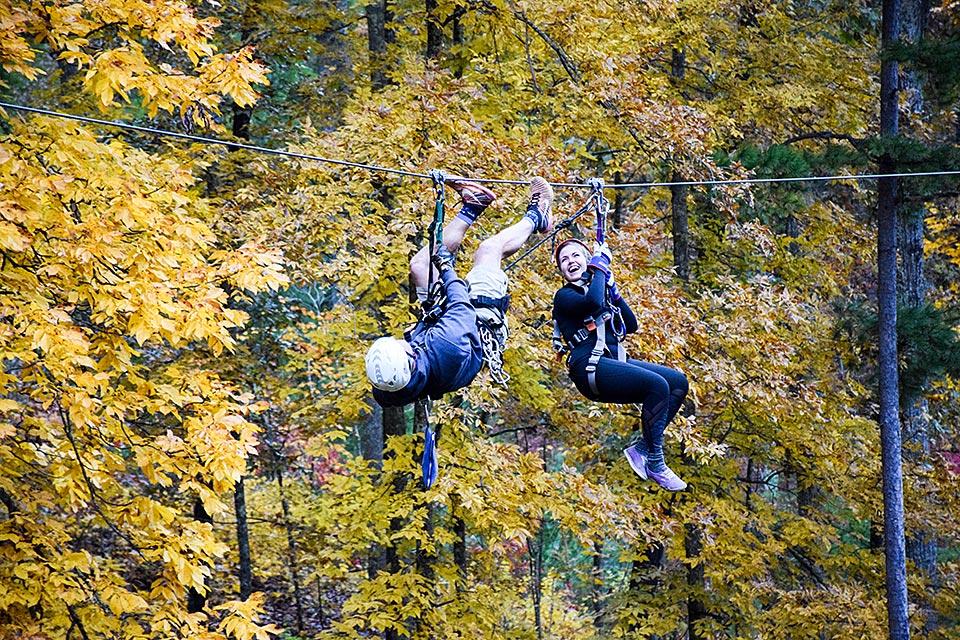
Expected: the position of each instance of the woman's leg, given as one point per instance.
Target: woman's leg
(653, 435)
(629, 383)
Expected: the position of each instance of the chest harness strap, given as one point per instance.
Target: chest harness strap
(593, 328)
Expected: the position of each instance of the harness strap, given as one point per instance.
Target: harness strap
(433, 305)
(485, 302)
(599, 347)
(619, 326)
(595, 328)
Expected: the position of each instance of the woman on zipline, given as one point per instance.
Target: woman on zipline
(589, 312)
(444, 354)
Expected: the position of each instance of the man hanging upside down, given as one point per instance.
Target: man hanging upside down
(444, 354)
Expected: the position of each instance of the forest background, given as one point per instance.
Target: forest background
(188, 447)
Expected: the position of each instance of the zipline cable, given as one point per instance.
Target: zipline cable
(453, 178)
(557, 228)
(228, 143)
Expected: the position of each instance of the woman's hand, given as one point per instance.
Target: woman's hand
(601, 259)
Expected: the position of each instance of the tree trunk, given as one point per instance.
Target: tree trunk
(678, 193)
(371, 436)
(434, 31)
(377, 42)
(921, 543)
(394, 424)
(596, 587)
(459, 547)
(459, 38)
(243, 540)
(371, 448)
(645, 576)
(425, 560)
(696, 611)
(291, 552)
(618, 202)
(793, 231)
(195, 600)
(535, 552)
(240, 127)
(894, 552)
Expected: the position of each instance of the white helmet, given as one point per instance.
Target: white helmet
(388, 364)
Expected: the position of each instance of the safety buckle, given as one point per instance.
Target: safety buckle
(590, 324)
(590, 368)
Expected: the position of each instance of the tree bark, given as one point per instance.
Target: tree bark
(377, 42)
(921, 543)
(696, 611)
(678, 193)
(618, 202)
(596, 586)
(394, 425)
(434, 31)
(243, 540)
(291, 552)
(195, 600)
(459, 38)
(425, 560)
(681, 229)
(535, 553)
(894, 552)
(645, 575)
(240, 126)
(460, 547)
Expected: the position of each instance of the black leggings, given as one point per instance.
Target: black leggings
(660, 389)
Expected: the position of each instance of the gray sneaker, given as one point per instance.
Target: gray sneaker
(637, 459)
(538, 210)
(667, 479)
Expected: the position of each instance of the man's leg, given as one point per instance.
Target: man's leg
(453, 235)
(474, 199)
(494, 249)
(537, 219)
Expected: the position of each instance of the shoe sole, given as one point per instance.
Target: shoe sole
(476, 191)
(542, 196)
(672, 489)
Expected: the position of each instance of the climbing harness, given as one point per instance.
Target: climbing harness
(602, 209)
(433, 308)
(436, 300)
(493, 340)
(492, 328)
(595, 327)
(428, 462)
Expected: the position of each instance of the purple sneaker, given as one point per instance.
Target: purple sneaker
(637, 460)
(667, 479)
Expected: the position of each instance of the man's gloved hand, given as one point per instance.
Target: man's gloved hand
(442, 259)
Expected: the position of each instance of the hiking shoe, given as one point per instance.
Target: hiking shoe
(474, 197)
(541, 197)
(667, 479)
(637, 459)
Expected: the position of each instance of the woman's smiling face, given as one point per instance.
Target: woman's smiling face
(572, 261)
